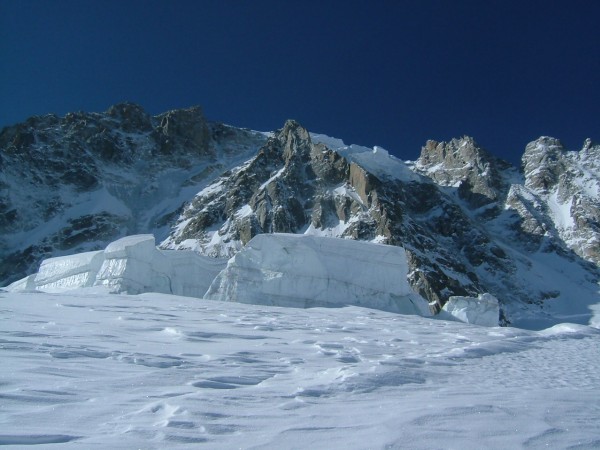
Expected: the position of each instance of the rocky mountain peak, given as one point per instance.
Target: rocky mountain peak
(468, 222)
(188, 126)
(558, 202)
(463, 164)
(543, 163)
(590, 154)
(454, 154)
(130, 116)
(295, 142)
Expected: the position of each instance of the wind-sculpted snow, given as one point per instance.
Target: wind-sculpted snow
(306, 271)
(91, 370)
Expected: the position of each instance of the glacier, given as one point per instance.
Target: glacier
(307, 271)
(130, 265)
(277, 269)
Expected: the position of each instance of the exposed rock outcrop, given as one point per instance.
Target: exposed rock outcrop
(463, 164)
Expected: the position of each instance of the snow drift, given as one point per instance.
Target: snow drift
(307, 271)
(159, 371)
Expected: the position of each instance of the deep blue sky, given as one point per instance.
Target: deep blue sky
(388, 73)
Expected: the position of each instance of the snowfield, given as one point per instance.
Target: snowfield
(86, 366)
(89, 369)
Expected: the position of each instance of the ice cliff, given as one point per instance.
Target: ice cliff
(130, 265)
(276, 269)
(307, 271)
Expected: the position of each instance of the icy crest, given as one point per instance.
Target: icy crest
(376, 160)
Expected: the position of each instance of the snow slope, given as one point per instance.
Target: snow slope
(85, 369)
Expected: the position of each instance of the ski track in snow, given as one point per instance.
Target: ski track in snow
(92, 370)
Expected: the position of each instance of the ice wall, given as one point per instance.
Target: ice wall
(130, 265)
(483, 310)
(134, 265)
(66, 271)
(273, 269)
(306, 271)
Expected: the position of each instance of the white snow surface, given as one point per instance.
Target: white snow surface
(483, 310)
(86, 369)
(306, 271)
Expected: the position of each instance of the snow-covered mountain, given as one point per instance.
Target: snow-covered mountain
(76, 183)
(281, 220)
(469, 222)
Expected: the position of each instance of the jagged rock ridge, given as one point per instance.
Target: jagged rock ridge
(462, 233)
(297, 186)
(470, 223)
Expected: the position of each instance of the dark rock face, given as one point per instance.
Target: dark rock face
(130, 118)
(463, 164)
(184, 131)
